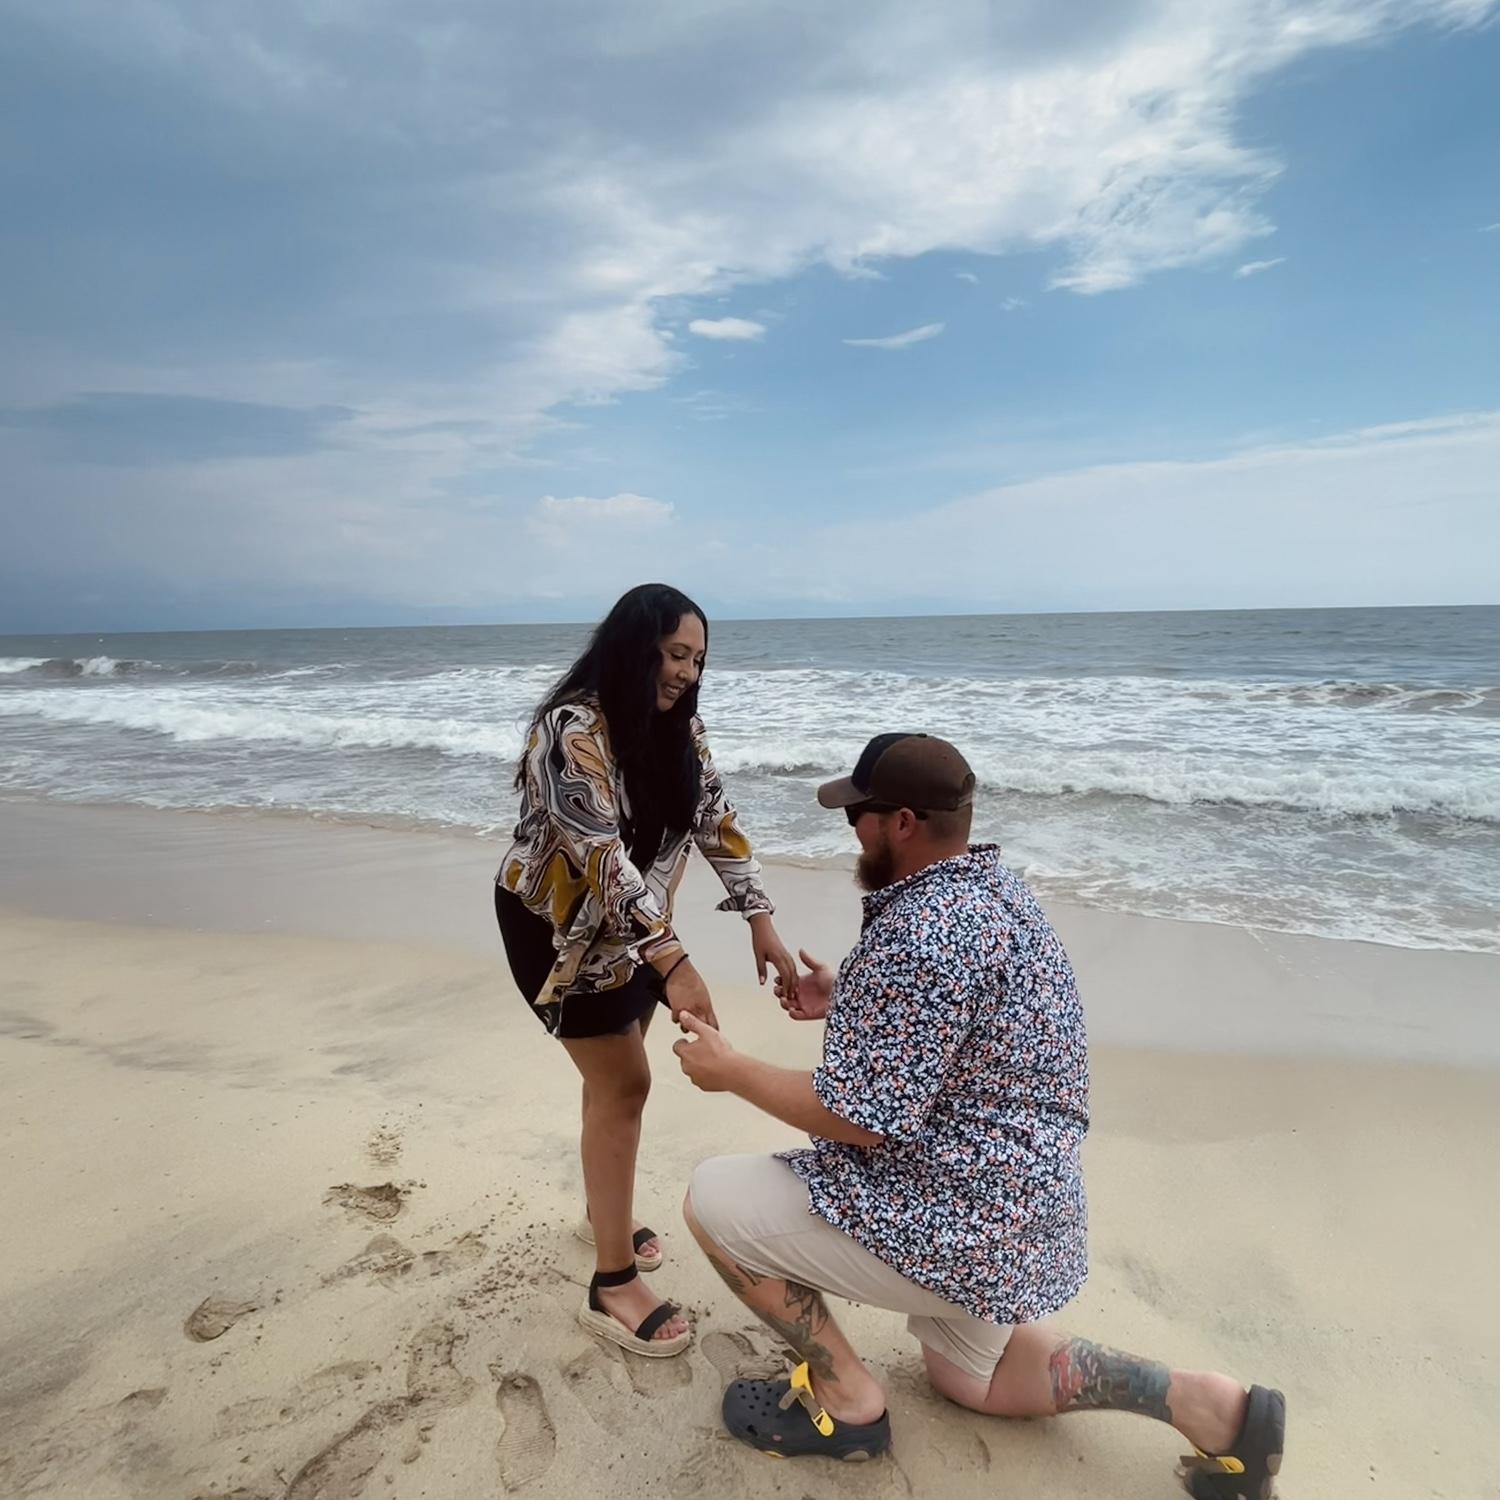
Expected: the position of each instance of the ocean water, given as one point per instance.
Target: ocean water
(1329, 771)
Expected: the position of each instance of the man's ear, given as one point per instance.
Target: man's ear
(907, 823)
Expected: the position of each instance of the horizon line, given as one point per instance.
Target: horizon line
(967, 614)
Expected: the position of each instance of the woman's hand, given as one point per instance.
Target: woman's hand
(686, 991)
(809, 1001)
(771, 952)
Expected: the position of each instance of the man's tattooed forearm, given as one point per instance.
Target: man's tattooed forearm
(1089, 1377)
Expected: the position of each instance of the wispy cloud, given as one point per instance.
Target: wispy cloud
(1255, 267)
(135, 427)
(742, 330)
(900, 340)
(558, 522)
(968, 276)
(713, 406)
(1013, 304)
(1490, 229)
(1339, 520)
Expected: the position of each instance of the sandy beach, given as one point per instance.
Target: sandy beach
(290, 1174)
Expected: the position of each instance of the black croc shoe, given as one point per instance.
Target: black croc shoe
(783, 1418)
(1248, 1471)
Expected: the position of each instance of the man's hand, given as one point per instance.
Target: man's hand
(687, 993)
(707, 1059)
(809, 1000)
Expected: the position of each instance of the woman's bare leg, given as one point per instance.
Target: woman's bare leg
(616, 1081)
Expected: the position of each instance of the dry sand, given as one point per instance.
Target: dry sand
(290, 1171)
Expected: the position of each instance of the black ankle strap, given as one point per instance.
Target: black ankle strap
(609, 1278)
(615, 1278)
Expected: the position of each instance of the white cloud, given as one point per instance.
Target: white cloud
(727, 328)
(1346, 520)
(1013, 304)
(900, 340)
(968, 276)
(1255, 267)
(713, 406)
(612, 510)
(1490, 229)
(558, 239)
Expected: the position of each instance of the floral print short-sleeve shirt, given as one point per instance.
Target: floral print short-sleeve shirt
(955, 1032)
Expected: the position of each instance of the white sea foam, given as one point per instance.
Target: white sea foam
(177, 717)
(1240, 744)
(1342, 806)
(1117, 737)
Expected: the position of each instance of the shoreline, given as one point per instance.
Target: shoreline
(498, 834)
(1148, 982)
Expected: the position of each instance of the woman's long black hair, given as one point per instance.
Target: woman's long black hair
(621, 668)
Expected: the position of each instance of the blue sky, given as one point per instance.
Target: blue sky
(361, 314)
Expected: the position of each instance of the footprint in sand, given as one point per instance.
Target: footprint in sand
(431, 1378)
(395, 1427)
(383, 1259)
(383, 1201)
(214, 1317)
(384, 1145)
(340, 1470)
(603, 1387)
(710, 1463)
(726, 1352)
(321, 1389)
(655, 1377)
(386, 1260)
(529, 1442)
(737, 1354)
(90, 1449)
(467, 1250)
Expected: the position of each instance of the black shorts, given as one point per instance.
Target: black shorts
(528, 947)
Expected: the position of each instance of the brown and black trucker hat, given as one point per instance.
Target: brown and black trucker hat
(918, 771)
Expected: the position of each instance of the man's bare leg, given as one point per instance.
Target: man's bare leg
(799, 1315)
(1048, 1373)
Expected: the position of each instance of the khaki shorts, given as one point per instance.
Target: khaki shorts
(756, 1207)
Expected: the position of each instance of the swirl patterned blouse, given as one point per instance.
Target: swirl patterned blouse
(569, 864)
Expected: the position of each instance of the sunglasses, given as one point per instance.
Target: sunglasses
(855, 813)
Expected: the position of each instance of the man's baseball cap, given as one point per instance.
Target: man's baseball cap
(917, 771)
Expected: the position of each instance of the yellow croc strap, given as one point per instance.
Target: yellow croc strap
(801, 1391)
(1212, 1463)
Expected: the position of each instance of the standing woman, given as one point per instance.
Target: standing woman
(616, 784)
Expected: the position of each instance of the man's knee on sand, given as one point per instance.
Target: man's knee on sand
(959, 1386)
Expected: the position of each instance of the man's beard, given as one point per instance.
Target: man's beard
(876, 868)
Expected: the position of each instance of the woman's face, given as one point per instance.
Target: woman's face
(681, 661)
